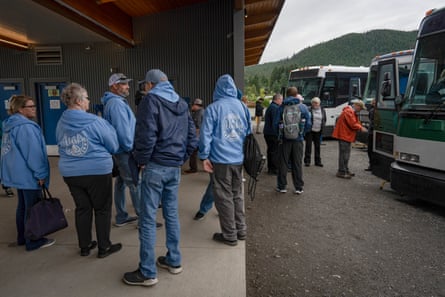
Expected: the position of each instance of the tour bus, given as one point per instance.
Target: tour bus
(336, 86)
(385, 116)
(419, 145)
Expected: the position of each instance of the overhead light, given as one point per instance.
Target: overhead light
(245, 13)
(15, 44)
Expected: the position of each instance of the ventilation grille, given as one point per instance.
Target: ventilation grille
(48, 55)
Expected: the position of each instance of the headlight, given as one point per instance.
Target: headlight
(409, 157)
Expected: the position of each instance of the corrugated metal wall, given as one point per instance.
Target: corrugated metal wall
(192, 45)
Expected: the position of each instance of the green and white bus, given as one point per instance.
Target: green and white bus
(419, 167)
(335, 85)
(385, 115)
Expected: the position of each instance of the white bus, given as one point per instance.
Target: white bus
(335, 85)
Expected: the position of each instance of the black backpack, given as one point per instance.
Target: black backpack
(253, 163)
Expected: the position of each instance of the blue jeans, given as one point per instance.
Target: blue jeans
(26, 199)
(159, 184)
(124, 180)
(207, 199)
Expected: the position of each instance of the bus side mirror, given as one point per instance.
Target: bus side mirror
(386, 85)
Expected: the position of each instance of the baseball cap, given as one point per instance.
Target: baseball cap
(155, 76)
(118, 78)
(197, 101)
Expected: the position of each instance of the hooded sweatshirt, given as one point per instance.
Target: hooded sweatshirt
(119, 114)
(165, 132)
(85, 143)
(24, 159)
(225, 126)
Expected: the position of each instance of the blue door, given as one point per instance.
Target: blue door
(7, 89)
(50, 108)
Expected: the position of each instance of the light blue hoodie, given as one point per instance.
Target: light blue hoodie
(119, 114)
(86, 143)
(23, 159)
(225, 125)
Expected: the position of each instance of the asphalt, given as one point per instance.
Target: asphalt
(210, 268)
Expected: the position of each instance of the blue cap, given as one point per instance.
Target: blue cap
(155, 76)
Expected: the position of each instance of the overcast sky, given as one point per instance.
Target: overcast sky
(304, 23)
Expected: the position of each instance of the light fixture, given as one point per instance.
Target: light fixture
(245, 13)
(11, 43)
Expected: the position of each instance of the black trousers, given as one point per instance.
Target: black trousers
(290, 152)
(312, 137)
(92, 193)
(272, 153)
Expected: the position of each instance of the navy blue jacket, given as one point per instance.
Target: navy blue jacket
(165, 132)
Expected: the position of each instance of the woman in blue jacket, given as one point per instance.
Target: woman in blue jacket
(24, 163)
(86, 143)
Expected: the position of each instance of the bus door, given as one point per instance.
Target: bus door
(385, 117)
(7, 89)
(50, 108)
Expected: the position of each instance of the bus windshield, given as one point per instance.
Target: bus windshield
(427, 84)
(308, 87)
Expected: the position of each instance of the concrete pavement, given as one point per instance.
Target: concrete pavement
(210, 268)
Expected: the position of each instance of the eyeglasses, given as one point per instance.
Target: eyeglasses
(29, 106)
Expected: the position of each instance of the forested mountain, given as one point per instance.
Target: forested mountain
(353, 49)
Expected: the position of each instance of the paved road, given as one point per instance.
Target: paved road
(343, 237)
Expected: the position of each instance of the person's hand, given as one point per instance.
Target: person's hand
(41, 182)
(364, 129)
(207, 165)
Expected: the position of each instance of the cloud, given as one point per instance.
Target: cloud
(306, 23)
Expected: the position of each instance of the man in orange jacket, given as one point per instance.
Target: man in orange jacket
(345, 131)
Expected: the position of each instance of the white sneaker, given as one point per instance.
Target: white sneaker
(299, 191)
(49, 242)
(281, 190)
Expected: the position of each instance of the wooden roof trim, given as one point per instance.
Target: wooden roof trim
(106, 20)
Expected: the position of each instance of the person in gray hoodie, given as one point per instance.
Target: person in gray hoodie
(85, 143)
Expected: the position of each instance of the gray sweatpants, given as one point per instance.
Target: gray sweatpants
(229, 199)
(344, 153)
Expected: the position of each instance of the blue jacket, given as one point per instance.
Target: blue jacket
(23, 159)
(85, 143)
(165, 132)
(305, 114)
(225, 126)
(271, 113)
(121, 117)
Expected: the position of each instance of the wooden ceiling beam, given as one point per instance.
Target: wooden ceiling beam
(106, 20)
(270, 16)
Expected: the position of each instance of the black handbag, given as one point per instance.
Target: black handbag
(45, 217)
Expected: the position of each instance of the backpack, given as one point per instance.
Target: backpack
(291, 121)
(253, 162)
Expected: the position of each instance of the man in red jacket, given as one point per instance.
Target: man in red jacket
(345, 131)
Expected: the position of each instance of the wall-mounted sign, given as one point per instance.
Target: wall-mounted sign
(54, 104)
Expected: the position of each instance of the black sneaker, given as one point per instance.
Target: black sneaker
(199, 216)
(220, 238)
(129, 220)
(136, 278)
(241, 236)
(110, 250)
(162, 262)
(319, 164)
(86, 251)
